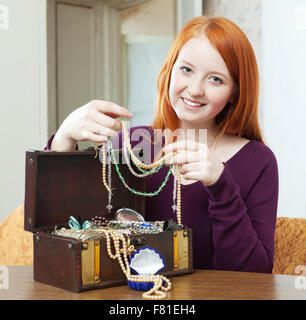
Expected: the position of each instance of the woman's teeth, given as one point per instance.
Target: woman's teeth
(192, 104)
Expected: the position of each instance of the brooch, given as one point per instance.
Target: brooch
(147, 228)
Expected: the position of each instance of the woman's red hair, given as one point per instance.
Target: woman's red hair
(238, 117)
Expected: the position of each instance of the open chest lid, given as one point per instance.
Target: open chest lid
(63, 184)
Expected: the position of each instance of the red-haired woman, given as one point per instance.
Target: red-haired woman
(208, 83)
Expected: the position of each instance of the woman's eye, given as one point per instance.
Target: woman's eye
(216, 79)
(186, 69)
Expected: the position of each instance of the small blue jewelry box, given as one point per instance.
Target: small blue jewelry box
(145, 261)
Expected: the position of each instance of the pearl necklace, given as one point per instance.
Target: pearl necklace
(150, 194)
(141, 165)
(138, 163)
(158, 290)
(144, 172)
(135, 160)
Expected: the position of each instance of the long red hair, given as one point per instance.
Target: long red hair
(238, 117)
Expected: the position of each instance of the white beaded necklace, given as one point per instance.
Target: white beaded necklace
(127, 148)
(158, 290)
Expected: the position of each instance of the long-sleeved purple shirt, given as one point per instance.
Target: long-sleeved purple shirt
(233, 221)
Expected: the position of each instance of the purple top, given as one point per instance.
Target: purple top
(233, 221)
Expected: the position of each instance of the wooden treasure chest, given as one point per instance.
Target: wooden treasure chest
(61, 185)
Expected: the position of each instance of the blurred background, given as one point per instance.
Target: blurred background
(58, 55)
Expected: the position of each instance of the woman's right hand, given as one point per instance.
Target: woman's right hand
(95, 121)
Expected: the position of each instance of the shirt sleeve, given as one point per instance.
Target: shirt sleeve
(49, 142)
(243, 229)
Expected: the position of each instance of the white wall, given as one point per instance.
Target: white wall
(284, 82)
(247, 15)
(277, 31)
(23, 107)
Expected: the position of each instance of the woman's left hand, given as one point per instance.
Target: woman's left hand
(197, 159)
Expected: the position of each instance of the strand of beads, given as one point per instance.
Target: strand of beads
(121, 253)
(145, 194)
(144, 172)
(140, 166)
(107, 187)
(135, 160)
(109, 207)
(178, 196)
(174, 187)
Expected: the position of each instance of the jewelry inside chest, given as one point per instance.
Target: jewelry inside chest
(84, 265)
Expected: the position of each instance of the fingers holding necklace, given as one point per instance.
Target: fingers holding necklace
(182, 145)
(191, 171)
(184, 156)
(188, 167)
(186, 152)
(198, 162)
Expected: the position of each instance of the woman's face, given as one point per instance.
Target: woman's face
(200, 84)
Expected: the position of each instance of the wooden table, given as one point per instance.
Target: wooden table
(201, 285)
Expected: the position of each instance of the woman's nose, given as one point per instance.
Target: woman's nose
(196, 88)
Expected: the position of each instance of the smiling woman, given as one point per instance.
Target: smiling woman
(209, 82)
(197, 87)
(226, 49)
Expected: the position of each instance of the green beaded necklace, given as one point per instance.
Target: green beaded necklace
(152, 171)
(110, 154)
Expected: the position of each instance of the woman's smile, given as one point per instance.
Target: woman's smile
(191, 104)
